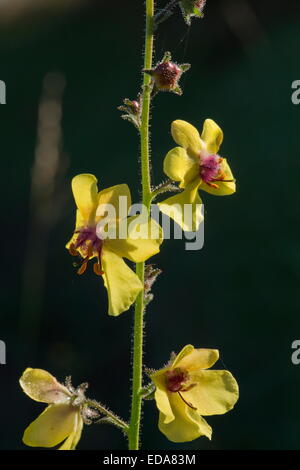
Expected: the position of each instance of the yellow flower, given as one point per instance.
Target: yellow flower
(195, 165)
(89, 242)
(186, 391)
(60, 421)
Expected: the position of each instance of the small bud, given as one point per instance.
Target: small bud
(132, 110)
(166, 74)
(151, 274)
(147, 299)
(192, 8)
(89, 415)
(134, 106)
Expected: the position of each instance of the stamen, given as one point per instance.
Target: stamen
(89, 252)
(186, 402)
(97, 269)
(87, 245)
(72, 250)
(82, 268)
(224, 181)
(215, 186)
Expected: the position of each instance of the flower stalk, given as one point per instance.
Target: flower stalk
(112, 417)
(136, 404)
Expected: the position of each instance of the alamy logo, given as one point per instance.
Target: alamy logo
(296, 94)
(2, 352)
(139, 228)
(2, 92)
(296, 354)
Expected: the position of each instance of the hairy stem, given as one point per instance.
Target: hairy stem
(136, 405)
(109, 414)
(163, 188)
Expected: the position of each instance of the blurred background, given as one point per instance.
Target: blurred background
(67, 65)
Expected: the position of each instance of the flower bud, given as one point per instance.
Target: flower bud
(133, 105)
(166, 75)
(192, 8)
(132, 110)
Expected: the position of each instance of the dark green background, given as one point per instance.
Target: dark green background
(239, 294)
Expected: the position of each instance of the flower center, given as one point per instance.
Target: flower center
(210, 167)
(176, 379)
(210, 170)
(87, 246)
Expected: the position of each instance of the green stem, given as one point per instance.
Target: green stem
(136, 405)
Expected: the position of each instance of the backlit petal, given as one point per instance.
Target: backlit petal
(54, 425)
(216, 392)
(85, 193)
(41, 386)
(117, 196)
(162, 396)
(187, 425)
(133, 248)
(194, 359)
(80, 222)
(121, 282)
(72, 441)
(185, 208)
(180, 167)
(187, 137)
(212, 135)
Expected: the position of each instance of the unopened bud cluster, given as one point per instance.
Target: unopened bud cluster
(132, 110)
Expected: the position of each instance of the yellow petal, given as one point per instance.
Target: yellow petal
(186, 350)
(187, 136)
(216, 392)
(85, 193)
(121, 282)
(187, 425)
(224, 189)
(72, 441)
(41, 386)
(212, 135)
(185, 208)
(194, 359)
(78, 432)
(180, 167)
(117, 196)
(133, 248)
(162, 396)
(54, 425)
(80, 222)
